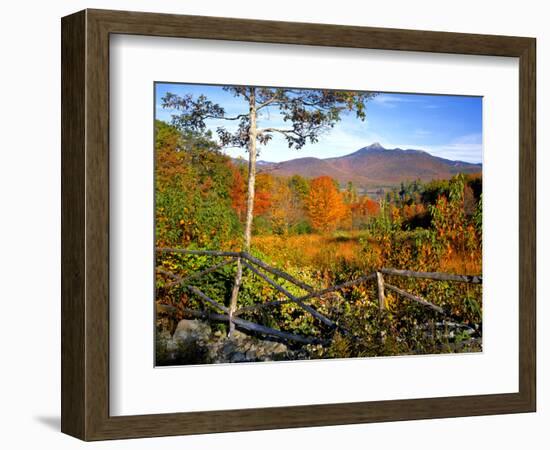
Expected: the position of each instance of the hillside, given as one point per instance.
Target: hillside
(374, 166)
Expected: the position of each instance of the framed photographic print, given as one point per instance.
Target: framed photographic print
(270, 224)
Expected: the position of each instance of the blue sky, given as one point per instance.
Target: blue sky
(443, 125)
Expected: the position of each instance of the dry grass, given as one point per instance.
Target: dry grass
(326, 251)
(313, 250)
(461, 264)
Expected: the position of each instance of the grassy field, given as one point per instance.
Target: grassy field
(355, 249)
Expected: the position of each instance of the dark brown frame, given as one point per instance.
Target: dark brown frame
(85, 224)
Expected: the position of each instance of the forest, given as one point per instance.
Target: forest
(324, 234)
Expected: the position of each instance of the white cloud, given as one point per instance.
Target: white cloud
(468, 148)
(391, 101)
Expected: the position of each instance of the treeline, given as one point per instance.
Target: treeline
(297, 205)
(414, 198)
(201, 196)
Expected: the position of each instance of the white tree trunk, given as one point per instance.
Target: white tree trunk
(249, 206)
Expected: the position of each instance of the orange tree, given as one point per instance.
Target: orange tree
(325, 205)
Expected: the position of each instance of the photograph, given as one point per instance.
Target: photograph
(304, 223)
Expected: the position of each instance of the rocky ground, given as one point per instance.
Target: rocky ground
(194, 342)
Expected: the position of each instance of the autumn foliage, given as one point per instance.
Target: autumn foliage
(325, 205)
(262, 194)
(323, 233)
(238, 192)
(364, 209)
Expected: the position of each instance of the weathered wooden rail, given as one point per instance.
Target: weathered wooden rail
(256, 266)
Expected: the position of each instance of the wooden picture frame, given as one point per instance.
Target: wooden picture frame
(85, 224)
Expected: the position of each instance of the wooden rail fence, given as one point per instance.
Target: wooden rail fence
(259, 268)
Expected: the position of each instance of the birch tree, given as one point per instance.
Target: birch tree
(305, 113)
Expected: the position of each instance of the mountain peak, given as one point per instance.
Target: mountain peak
(374, 166)
(375, 146)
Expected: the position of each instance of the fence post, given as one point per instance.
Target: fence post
(381, 295)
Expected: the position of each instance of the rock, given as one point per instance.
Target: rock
(192, 331)
(280, 348)
(238, 357)
(251, 355)
(228, 347)
(164, 335)
(239, 336)
(171, 345)
(195, 342)
(275, 347)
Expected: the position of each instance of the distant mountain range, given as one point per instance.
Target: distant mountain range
(373, 166)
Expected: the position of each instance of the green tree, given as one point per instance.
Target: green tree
(192, 197)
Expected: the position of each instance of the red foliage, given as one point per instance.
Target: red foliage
(262, 202)
(365, 207)
(238, 192)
